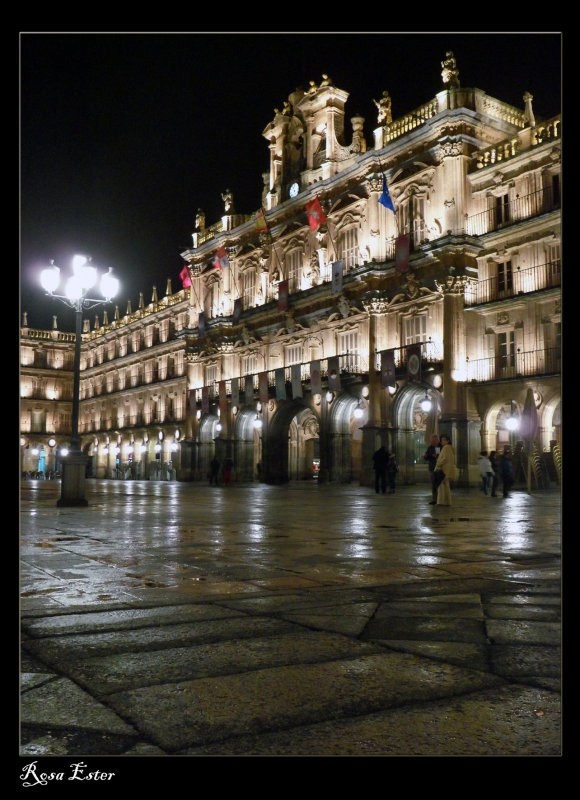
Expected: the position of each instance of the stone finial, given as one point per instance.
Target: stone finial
(86, 326)
(54, 324)
(228, 199)
(168, 291)
(117, 317)
(154, 297)
(25, 320)
(105, 317)
(141, 301)
(128, 308)
(385, 116)
(97, 323)
(200, 220)
(450, 73)
(529, 119)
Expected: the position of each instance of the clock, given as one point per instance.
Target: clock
(294, 189)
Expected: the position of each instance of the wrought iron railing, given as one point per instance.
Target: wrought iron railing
(515, 365)
(544, 276)
(504, 214)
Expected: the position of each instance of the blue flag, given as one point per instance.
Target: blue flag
(385, 198)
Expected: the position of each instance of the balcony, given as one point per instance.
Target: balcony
(526, 207)
(545, 276)
(515, 365)
(430, 355)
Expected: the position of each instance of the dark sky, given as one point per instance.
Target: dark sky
(124, 136)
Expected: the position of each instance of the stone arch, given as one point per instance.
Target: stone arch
(405, 436)
(247, 444)
(275, 461)
(494, 438)
(550, 420)
(207, 436)
(345, 437)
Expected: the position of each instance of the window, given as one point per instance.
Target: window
(249, 365)
(502, 209)
(505, 278)
(211, 375)
(348, 248)
(294, 264)
(38, 418)
(412, 218)
(416, 329)
(348, 343)
(249, 288)
(294, 354)
(506, 349)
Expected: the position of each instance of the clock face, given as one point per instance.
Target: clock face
(294, 189)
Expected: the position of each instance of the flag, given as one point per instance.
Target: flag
(402, 244)
(315, 213)
(385, 198)
(205, 399)
(260, 222)
(283, 296)
(223, 398)
(388, 368)
(221, 258)
(414, 363)
(249, 390)
(236, 392)
(263, 387)
(237, 310)
(315, 382)
(185, 277)
(280, 384)
(192, 401)
(201, 324)
(296, 373)
(336, 285)
(333, 374)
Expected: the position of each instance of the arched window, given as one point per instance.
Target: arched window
(249, 288)
(294, 269)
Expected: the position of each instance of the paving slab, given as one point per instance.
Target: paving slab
(53, 741)
(350, 620)
(286, 602)
(517, 611)
(430, 608)
(523, 599)
(62, 703)
(211, 709)
(29, 680)
(524, 632)
(103, 676)
(510, 721)
(471, 656)
(426, 629)
(128, 619)
(65, 649)
(515, 661)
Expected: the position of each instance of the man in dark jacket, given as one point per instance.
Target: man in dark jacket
(381, 460)
(506, 471)
(430, 456)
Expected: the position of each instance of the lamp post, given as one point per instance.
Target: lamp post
(84, 278)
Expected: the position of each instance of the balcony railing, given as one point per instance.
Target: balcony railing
(530, 205)
(515, 365)
(430, 354)
(545, 276)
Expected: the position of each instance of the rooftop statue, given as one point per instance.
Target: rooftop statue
(385, 116)
(450, 73)
(313, 87)
(228, 199)
(200, 220)
(326, 81)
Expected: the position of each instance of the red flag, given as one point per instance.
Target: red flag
(185, 278)
(315, 213)
(221, 260)
(402, 253)
(260, 222)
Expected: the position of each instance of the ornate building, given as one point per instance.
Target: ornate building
(303, 343)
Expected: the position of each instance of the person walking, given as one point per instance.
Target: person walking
(485, 470)
(494, 469)
(445, 463)
(214, 469)
(430, 456)
(381, 461)
(506, 471)
(392, 469)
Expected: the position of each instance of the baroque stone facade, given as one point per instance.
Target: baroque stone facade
(225, 368)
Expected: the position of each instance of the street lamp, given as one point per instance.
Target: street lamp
(84, 278)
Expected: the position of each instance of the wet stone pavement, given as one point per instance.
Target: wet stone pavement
(183, 619)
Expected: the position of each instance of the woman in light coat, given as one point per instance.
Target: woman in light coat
(446, 463)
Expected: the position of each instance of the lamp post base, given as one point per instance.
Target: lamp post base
(73, 481)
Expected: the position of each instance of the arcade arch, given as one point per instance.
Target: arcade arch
(412, 427)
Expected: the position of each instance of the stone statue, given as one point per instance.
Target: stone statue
(385, 116)
(343, 306)
(313, 87)
(287, 109)
(200, 220)
(228, 199)
(313, 272)
(450, 73)
(326, 81)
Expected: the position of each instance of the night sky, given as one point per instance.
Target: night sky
(124, 136)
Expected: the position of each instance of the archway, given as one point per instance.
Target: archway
(207, 436)
(412, 427)
(346, 437)
(247, 453)
(276, 452)
(303, 446)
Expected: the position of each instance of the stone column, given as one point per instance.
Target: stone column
(325, 445)
(456, 191)
(375, 431)
(374, 186)
(455, 420)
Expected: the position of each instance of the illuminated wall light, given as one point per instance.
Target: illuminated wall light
(64, 451)
(257, 422)
(105, 451)
(234, 410)
(35, 451)
(116, 450)
(174, 447)
(365, 391)
(392, 389)
(142, 449)
(218, 426)
(198, 414)
(329, 397)
(157, 448)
